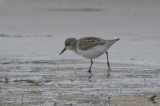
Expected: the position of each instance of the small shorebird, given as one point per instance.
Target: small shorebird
(89, 47)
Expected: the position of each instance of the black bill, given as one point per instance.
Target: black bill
(62, 51)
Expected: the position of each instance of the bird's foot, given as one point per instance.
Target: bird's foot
(89, 71)
(108, 75)
(108, 72)
(109, 69)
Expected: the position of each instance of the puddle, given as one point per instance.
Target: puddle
(59, 82)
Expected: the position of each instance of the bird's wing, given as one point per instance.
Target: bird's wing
(89, 42)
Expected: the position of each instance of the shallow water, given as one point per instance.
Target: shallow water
(59, 82)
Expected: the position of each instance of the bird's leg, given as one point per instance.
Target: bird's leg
(109, 68)
(90, 66)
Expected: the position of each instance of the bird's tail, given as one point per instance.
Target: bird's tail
(112, 41)
(109, 43)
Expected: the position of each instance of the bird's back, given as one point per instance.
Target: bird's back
(89, 42)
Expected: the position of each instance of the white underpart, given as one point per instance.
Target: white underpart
(94, 52)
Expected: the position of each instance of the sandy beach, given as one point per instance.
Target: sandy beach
(32, 34)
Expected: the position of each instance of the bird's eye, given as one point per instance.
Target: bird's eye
(68, 43)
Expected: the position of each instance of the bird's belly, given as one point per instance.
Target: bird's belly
(93, 52)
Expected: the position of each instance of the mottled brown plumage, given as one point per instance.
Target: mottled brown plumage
(89, 42)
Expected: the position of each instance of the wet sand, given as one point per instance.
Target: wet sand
(49, 82)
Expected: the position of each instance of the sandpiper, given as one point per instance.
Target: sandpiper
(89, 47)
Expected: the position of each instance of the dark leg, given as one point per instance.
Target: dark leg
(109, 68)
(90, 66)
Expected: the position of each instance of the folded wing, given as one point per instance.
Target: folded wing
(90, 42)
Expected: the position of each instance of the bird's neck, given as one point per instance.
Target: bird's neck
(74, 43)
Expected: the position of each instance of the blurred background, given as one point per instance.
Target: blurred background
(37, 29)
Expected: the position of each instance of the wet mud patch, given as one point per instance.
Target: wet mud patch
(67, 82)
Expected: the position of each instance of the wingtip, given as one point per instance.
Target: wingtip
(118, 39)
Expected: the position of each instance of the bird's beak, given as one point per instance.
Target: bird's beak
(62, 51)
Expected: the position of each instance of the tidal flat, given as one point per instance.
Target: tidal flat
(67, 82)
